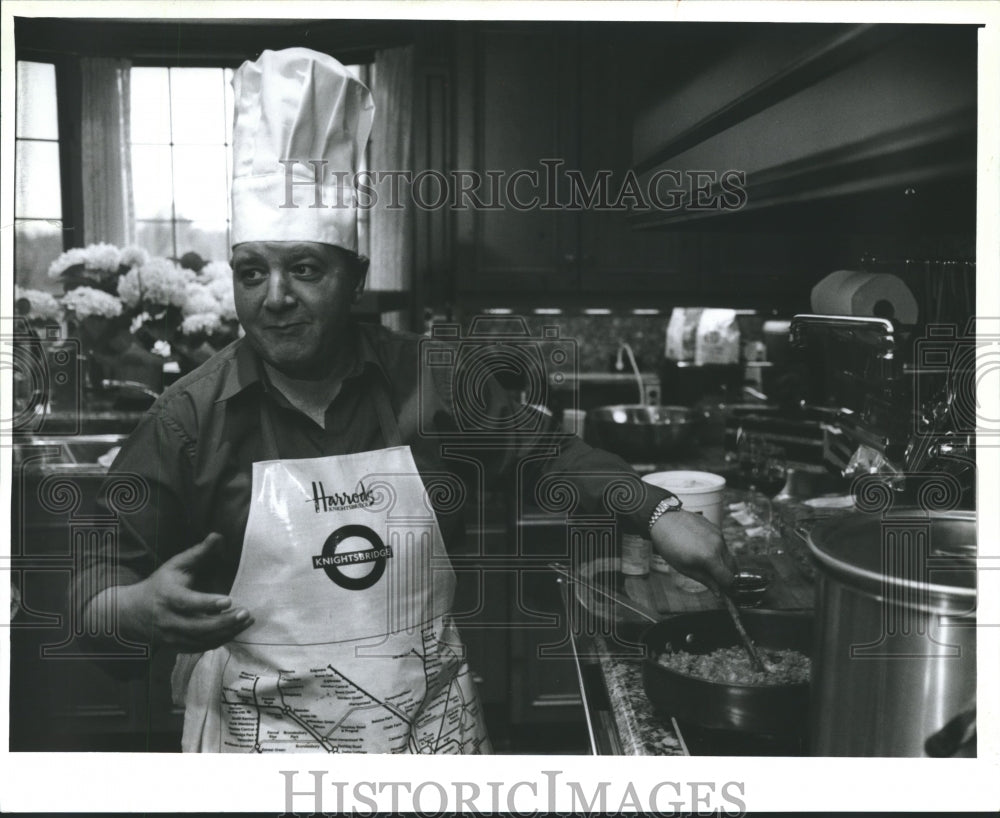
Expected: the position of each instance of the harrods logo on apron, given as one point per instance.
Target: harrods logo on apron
(353, 648)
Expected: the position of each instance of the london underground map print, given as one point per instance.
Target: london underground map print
(266, 712)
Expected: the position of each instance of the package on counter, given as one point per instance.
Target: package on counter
(681, 332)
(717, 340)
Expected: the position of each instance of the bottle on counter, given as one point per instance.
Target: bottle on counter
(636, 552)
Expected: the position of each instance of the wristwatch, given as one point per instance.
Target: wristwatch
(671, 503)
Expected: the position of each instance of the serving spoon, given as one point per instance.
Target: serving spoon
(755, 661)
(636, 607)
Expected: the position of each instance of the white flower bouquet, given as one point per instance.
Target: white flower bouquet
(88, 302)
(210, 309)
(38, 306)
(201, 323)
(112, 294)
(200, 299)
(156, 293)
(155, 285)
(215, 270)
(97, 265)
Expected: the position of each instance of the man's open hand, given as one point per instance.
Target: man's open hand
(163, 609)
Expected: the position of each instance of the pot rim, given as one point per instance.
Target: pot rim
(874, 583)
(672, 413)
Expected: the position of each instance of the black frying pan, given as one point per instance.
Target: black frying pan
(777, 710)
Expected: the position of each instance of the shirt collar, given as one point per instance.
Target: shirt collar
(243, 371)
(246, 370)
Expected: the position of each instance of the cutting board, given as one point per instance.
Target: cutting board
(790, 589)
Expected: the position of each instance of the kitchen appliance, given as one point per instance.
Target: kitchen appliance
(773, 710)
(856, 365)
(796, 432)
(905, 401)
(643, 434)
(895, 653)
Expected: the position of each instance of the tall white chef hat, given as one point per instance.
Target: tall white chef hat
(302, 123)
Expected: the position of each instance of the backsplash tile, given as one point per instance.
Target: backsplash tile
(598, 336)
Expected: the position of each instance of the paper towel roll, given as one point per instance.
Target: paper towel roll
(879, 295)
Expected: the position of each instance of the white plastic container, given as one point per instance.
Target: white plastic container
(699, 491)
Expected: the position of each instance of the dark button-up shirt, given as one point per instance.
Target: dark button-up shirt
(195, 449)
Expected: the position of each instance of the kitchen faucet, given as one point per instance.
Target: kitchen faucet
(140, 387)
(620, 367)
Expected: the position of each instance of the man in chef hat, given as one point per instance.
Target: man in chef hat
(289, 549)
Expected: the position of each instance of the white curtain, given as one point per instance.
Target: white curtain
(391, 240)
(106, 157)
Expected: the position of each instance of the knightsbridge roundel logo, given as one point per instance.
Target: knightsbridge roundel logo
(348, 552)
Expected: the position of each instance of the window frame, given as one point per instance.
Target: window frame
(68, 117)
(173, 219)
(174, 44)
(366, 75)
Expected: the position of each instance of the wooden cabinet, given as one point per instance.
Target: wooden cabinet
(62, 698)
(548, 110)
(614, 257)
(819, 112)
(544, 684)
(846, 140)
(515, 629)
(517, 96)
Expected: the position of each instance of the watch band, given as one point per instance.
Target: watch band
(667, 504)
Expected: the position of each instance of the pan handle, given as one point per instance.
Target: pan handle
(958, 732)
(611, 595)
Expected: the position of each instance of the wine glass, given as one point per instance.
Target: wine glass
(770, 469)
(772, 475)
(765, 471)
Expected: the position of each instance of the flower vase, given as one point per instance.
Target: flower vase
(89, 333)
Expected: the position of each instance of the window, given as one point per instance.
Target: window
(38, 219)
(181, 132)
(182, 161)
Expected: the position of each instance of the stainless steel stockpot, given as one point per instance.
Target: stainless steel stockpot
(895, 651)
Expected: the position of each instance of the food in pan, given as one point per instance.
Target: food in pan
(732, 666)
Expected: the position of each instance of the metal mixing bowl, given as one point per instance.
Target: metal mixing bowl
(643, 434)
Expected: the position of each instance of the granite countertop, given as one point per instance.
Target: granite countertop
(639, 730)
(84, 421)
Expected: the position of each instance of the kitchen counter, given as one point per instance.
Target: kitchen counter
(83, 422)
(621, 719)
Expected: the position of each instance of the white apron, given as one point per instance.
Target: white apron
(353, 648)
